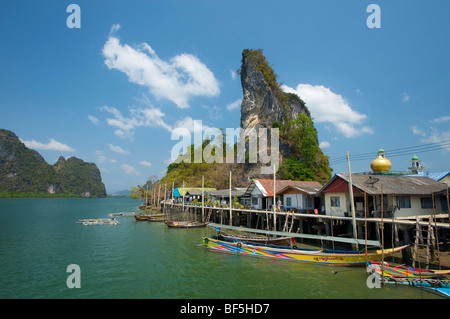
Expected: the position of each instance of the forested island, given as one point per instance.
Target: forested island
(25, 173)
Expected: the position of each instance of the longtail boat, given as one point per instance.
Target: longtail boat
(280, 241)
(141, 217)
(444, 292)
(319, 256)
(185, 224)
(399, 271)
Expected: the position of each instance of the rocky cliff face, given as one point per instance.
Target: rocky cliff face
(24, 170)
(265, 105)
(263, 101)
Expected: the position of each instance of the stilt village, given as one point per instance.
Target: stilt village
(392, 220)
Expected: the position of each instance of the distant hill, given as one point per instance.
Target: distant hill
(24, 171)
(124, 193)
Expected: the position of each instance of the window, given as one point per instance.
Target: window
(426, 202)
(444, 203)
(404, 202)
(255, 201)
(335, 201)
(288, 201)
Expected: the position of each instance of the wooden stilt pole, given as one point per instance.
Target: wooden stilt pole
(231, 205)
(173, 190)
(382, 236)
(274, 201)
(448, 210)
(365, 221)
(146, 197)
(203, 199)
(165, 197)
(436, 237)
(159, 195)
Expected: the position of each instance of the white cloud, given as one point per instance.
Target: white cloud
(145, 163)
(118, 149)
(139, 117)
(418, 131)
(233, 75)
(405, 97)
(114, 29)
(234, 105)
(324, 144)
(436, 136)
(53, 145)
(329, 107)
(193, 126)
(182, 77)
(129, 170)
(441, 119)
(213, 112)
(93, 119)
(433, 135)
(101, 158)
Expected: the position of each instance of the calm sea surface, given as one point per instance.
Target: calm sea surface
(39, 238)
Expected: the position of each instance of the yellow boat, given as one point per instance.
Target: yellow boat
(319, 256)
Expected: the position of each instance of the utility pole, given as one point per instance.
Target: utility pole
(352, 202)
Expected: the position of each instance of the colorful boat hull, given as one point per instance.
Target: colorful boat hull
(318, 256)
(398, 271)
(279, 241)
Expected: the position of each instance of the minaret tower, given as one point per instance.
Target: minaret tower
(416, 166)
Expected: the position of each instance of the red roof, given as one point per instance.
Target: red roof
(265, 186)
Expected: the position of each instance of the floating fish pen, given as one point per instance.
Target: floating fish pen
(99, 221)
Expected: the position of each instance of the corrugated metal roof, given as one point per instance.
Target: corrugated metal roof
(265, 186)
(180, 191)
(397, 185)
(226, 192)
(437, 176)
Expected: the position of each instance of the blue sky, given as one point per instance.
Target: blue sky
(111, 91)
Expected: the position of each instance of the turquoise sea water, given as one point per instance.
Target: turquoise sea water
(39, 238)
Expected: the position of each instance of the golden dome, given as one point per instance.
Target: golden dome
(380, 164)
